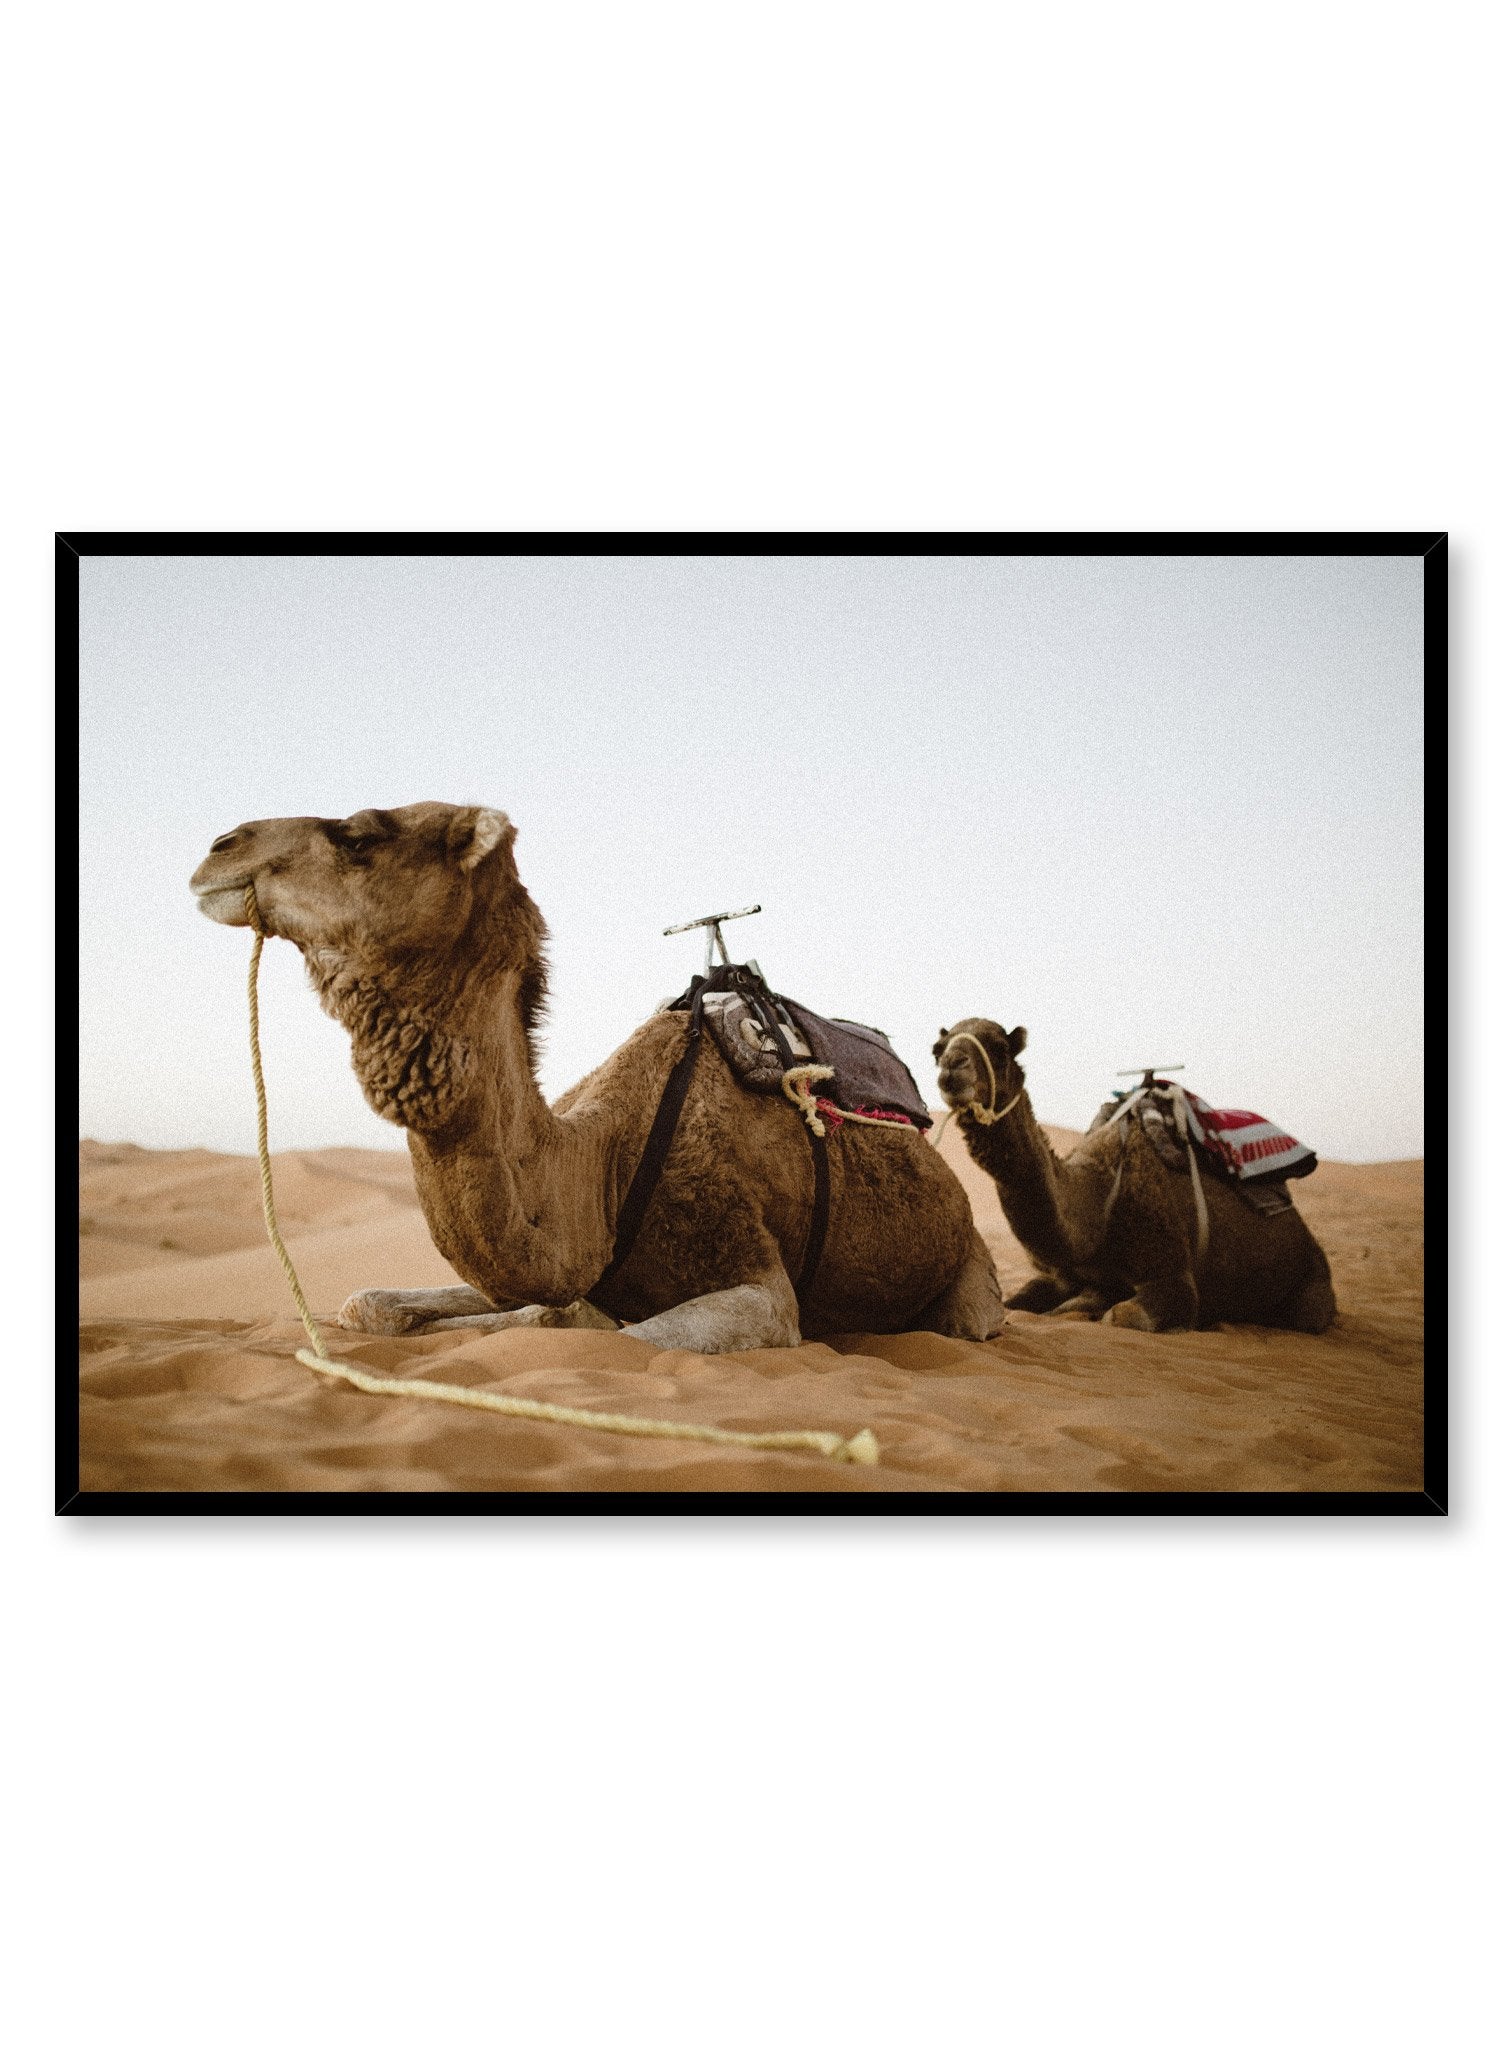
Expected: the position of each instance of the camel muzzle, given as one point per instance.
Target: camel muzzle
(220, 900)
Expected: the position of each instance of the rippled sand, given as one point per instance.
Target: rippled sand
(188, 1380)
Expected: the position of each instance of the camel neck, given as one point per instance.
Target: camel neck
(413, 1070)
(520, 1198)
(1034, 1186)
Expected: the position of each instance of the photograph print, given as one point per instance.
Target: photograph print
(915, 1023)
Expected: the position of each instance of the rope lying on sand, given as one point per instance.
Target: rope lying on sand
(860, 1449)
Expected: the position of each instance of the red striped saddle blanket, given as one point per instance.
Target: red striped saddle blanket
(1247, 1145)
(1238, 1143)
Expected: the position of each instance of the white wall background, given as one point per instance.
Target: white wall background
(1162, 809)
(669, 1781)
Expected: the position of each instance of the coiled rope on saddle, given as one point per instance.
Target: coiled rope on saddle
(796, 1087)
(860, 1449)
(796, 1082)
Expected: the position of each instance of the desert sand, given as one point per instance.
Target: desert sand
(189, 1383)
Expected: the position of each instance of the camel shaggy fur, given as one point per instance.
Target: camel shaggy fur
(1131, 1260)
(421, 940)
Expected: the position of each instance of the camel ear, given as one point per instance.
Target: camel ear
(476, 832)
(1016, 1040)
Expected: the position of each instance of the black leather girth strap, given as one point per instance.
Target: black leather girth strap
(655, 1152)
(819, 1221)
(660, 1138)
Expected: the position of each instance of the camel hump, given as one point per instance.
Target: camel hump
(1244, 1149)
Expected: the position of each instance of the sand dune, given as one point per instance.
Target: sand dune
(189, 1380)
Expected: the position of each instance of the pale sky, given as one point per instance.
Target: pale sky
(1155, 809)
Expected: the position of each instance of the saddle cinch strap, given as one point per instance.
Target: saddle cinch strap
(755, 997)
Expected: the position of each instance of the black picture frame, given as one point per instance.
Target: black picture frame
(1431, 1498)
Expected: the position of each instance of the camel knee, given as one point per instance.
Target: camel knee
(1312, 1310)
(574, 1315)
(1162, 1304)
(1089, 1304)
(971, 1306)
(752, 1317)
(1039, 1296)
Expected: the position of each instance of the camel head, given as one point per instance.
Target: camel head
(381, 888)
(963, 1078)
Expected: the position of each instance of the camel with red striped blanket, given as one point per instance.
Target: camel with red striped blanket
(1114, 1232)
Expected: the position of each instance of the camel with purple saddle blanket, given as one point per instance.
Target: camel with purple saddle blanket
(758, 1033)
(1142, 1225)
(421, 940)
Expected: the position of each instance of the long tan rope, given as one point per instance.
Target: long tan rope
(860, 1449)
(263, 1149)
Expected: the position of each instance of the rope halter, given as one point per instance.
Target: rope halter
(991, 1114)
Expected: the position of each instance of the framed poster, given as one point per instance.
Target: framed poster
(1111, 1202)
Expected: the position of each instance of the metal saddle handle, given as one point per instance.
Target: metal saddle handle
(712, 937)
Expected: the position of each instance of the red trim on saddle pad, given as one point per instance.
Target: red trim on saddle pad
(883, 1116)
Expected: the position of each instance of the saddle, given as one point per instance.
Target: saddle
(868, 1073)
(1247, 1153)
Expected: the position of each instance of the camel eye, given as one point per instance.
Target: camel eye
(359, 834)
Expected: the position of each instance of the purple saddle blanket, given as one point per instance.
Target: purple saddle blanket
(868, 1073)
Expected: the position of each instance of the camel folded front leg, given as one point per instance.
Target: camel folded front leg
(410, 1311)
(760, 1315)
(397, 1311)
(1039, 1296)
(1312, 1309)
(574, 1315)
(1090, 1304)
(971, 1306)
(1169, 1302)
